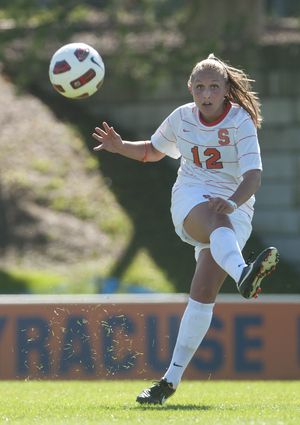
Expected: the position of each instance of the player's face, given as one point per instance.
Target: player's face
(209, 89)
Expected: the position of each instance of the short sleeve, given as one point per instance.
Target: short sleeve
(164, 139)
(248, 148)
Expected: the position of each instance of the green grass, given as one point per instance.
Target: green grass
(209, 403)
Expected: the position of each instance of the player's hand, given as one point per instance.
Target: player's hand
(220, 206)
(108, 138)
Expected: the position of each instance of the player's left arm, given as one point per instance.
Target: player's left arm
(251, 182)
(248, 150)
(247, 188)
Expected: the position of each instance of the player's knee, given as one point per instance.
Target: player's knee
(220, 220)
(206, 294)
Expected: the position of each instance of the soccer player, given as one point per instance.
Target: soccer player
(212, 198)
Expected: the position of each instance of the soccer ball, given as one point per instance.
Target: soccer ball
(76, 70)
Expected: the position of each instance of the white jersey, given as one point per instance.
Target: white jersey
(215, 155)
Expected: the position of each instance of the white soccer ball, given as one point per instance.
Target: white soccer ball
(76, 70)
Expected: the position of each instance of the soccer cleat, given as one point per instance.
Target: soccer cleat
(157, 394)
(253, 273)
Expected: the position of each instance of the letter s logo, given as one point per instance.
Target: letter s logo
(223, 137)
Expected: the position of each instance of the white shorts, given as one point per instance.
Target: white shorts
(185, 198)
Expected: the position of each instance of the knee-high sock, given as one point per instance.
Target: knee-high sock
(194, 324)
(226, 252)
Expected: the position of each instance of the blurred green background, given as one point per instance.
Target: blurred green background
(72, 221)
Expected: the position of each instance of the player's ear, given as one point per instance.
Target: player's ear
(191, 88)
(228, 89)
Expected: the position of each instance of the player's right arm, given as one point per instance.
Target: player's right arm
(111, 141)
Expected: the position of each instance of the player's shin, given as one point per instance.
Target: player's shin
(193, 328)
(226, 252)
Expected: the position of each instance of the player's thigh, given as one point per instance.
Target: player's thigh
(208, 278)
(201, 222)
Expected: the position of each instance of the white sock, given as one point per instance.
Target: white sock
(226, 251)
(193, 327)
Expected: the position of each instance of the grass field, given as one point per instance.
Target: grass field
(208, 403)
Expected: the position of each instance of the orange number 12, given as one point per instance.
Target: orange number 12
(212, 162)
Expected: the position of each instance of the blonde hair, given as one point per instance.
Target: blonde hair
(240, 87)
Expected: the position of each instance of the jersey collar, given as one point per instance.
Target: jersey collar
(221, 117)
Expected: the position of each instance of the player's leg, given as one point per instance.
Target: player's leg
(200, 222)
(208, 278)
(227, 237)
(206, 283)
(194, 325)
(207, 226)
(224, 239)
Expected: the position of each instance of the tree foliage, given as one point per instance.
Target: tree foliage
(142, 40)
